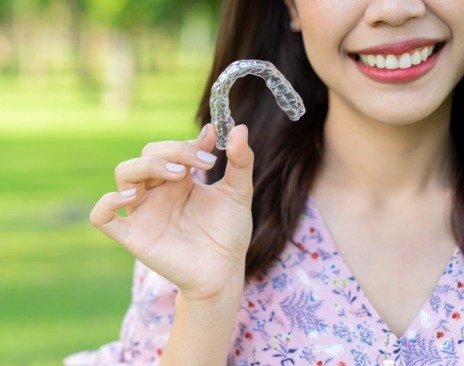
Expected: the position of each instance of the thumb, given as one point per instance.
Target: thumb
(240, 159)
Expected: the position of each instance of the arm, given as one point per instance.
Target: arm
(198, 240)
(202, 330)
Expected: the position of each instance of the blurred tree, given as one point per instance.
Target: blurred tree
(5, 10)
(5, 33)
(123, 18)
(27, 36)
(39, 36)
(129, 14)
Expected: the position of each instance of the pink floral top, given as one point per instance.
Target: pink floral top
(308, 310)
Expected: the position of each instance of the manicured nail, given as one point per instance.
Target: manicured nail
(175, 168)
(206, 157)
(237, 130)
(203, 132)
(246, 131)
(128, 193)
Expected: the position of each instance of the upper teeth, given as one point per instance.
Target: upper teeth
(403, 62)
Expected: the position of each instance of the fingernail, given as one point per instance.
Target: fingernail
(206, 157)
(242, 131)
(128, 193)
(245, 131)
(203, 132)
(175, 168)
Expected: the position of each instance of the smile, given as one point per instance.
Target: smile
(402, 68)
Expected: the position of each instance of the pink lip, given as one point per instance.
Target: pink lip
(398, 48)
(398, 75)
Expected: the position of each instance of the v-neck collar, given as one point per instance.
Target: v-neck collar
(334, 249)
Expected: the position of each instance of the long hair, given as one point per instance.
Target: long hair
(287, 154)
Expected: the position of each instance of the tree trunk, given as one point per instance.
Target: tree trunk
(119, 74)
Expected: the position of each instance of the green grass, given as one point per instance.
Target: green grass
(65, 286)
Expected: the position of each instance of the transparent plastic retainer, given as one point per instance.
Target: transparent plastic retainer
(287, 98)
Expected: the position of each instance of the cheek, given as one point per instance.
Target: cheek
(320, 39)
(451, 13)
(322, 46)
(324, 26)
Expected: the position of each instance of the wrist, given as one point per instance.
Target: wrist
(203, 328)
(231, 292)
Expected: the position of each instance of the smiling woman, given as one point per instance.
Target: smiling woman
(356, 249)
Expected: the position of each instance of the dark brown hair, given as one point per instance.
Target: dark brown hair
(288, 156)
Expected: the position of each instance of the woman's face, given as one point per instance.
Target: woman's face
(331, 29)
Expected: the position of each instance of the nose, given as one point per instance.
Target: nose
(393, 12)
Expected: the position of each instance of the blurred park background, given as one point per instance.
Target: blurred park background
(84, 84)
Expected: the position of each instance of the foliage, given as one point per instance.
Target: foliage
(122, 14)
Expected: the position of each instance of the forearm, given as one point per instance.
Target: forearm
(201, 333)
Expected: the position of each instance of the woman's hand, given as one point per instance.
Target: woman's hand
(193, 234)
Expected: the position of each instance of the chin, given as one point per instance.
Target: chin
(400, 116)
(405, 110)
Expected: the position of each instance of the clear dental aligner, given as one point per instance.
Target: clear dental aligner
(287, 98)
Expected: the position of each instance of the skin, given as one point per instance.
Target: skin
(383, 188)
(192, 234)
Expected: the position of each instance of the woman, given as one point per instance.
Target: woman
(335, 240)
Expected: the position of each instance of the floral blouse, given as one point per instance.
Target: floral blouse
(308, 310)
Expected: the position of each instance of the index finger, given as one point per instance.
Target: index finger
(163, 149)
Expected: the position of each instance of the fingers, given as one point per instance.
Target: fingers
(105, 217)
(167, 161)
(239, 169)
(132, 171)
(183, 150)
